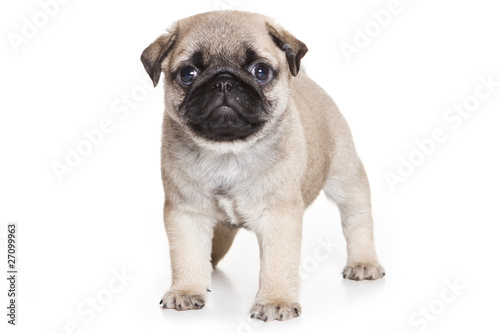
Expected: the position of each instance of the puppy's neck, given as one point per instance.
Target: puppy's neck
(264, 144)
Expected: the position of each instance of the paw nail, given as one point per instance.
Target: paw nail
(253, 315)
(161, 301)
(209, 290)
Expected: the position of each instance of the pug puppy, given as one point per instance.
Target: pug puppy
(248, 142)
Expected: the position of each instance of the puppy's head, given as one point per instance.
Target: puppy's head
(227, 73)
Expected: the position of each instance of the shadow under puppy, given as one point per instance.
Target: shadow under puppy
(249, 141)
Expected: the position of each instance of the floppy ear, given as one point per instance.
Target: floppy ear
(294, 48)
(155, 53)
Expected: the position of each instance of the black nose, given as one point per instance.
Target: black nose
(224, 83)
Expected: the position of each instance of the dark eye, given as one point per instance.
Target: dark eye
(187, 75)
(262, 73)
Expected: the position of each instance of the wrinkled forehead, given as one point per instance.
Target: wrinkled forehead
(219, 43)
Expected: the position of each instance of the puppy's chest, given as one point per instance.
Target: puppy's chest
(234, 204)
(232, 187)
(242, 211)
(217, 173)
(228, 207)
(230, 175)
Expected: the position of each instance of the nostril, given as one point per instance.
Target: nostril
(224, 84)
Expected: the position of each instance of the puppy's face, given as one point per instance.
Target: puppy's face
(226, 73)
(224, 95)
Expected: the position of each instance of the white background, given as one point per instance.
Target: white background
(441, 224)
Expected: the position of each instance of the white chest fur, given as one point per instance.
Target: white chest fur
(228, 185)
(228, 206)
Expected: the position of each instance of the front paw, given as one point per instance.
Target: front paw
(182, 300)
(363, 271)
(275, 310)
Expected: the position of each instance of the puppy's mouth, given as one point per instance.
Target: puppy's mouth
(224, 107)
(224, 123)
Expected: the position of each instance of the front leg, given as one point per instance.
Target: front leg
(279, 232)
(190, 239)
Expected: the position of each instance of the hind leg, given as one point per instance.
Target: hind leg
(221, 242)
(347, 185)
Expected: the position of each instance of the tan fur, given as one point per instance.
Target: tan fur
(263, 183)
(221, 242)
